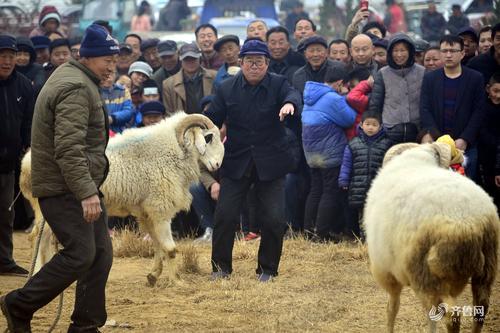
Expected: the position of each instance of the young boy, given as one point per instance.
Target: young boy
(152, 113)
(363, 157)
(489, 140)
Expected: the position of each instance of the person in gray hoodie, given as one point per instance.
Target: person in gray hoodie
(396, 91)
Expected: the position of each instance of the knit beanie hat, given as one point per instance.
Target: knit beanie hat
(152, 108)
(141, 67)
(49, 12)
(97, 42)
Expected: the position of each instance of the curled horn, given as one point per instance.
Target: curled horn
(193, 120)
(396, 150)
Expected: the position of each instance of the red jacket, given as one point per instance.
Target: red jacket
(358, 99)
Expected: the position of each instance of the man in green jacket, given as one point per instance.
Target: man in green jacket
(69, 138)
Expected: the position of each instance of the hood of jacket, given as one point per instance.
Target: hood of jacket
(24, 43)
(313, 91)
(400, 37)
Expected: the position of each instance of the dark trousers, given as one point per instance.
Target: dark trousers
(249, 220)
(86, 258)
(6, 220)
(325, 203)
(270, 211)
(203, 205)
(353, 220)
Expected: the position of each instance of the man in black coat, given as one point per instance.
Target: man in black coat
(253, 105)
(16, 111)
(452, 100)
(489, 62)
(284, 60)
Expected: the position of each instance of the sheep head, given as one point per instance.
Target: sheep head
(198, 132)
(441, 151)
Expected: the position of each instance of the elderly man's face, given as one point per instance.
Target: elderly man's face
(205, 39)
(316, 55)
(340, 52)
(169, 61)
(7, 63)
(278, 45)
(190, 65)
(257, 29)
(103, 67)
(433, 60)
(361, 49)
(254, 68)
(303, 29)
(152, 57)
(229, 52)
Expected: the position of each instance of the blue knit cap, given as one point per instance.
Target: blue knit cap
(97, 42)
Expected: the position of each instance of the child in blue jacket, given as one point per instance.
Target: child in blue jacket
(325, 116)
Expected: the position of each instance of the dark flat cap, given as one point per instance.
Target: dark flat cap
(227, 38)
(167, 47)
(310, 41)
(148, 43)
(470, 32)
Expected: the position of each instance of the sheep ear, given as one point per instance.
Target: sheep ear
(443, 152)
(397, 150)
(199, 140)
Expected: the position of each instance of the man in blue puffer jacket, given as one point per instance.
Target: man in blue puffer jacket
(325, 116)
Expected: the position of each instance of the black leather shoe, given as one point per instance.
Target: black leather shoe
(14, 271)
(13, 325)
(82, 329)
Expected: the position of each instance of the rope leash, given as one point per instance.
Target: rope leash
(32, 270)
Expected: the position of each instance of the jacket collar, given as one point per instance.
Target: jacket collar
(265, 82)
(86, 70)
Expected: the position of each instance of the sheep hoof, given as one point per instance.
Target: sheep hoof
(172, 254)
(151, 280)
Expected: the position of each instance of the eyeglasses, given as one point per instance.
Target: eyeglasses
(258, 63)
(452, 51)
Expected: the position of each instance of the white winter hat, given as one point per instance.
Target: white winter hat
(141, 67)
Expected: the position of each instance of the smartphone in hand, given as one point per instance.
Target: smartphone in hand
(363, 4)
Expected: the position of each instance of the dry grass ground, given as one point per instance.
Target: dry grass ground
(321, 288)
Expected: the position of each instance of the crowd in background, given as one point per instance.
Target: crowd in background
(360, 95)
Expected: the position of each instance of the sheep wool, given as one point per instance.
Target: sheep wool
(151, 170)
(431, 229)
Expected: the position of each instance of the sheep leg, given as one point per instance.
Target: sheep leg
(163, 231)
(428, 303)
(393, 304)
(453, 318)
(481, 296)
(393, 287)
(157, 267)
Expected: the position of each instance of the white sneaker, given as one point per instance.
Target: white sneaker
(206, 237)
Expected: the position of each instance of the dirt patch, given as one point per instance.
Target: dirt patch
(321, 288)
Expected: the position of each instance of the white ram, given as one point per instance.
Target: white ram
(151, 170)
(431, 229)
